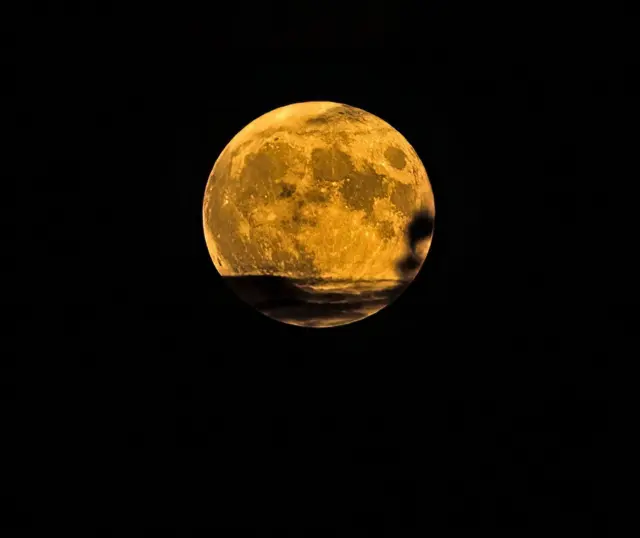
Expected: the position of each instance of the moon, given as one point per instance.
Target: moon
(318, 214)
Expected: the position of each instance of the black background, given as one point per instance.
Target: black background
(141, 395)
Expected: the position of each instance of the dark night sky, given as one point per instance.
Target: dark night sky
(141, 395)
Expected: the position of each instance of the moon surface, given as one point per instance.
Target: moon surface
(318, 214)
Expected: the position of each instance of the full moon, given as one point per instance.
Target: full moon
(318, 214)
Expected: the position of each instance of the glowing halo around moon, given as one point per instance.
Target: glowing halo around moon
(310, 214)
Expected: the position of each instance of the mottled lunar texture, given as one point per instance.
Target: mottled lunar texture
(308, 209)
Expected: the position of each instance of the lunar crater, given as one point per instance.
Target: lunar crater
(396, 157)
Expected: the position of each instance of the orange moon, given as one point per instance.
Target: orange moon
(318, 214)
